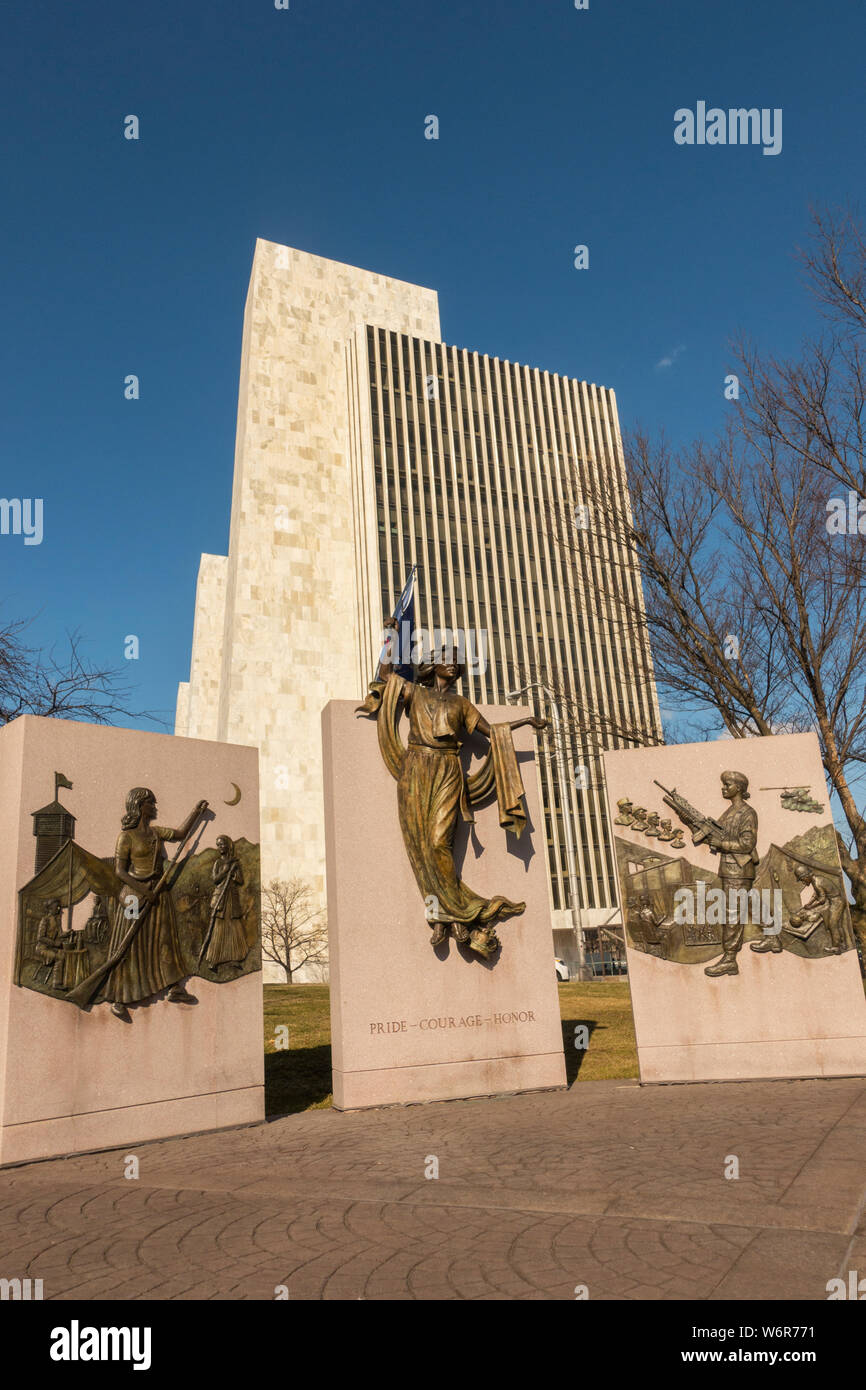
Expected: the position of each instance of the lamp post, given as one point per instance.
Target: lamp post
(565, 801)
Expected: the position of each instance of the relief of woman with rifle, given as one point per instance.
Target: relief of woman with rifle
(144, 917)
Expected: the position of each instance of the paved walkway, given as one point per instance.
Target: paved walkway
(609, 1185)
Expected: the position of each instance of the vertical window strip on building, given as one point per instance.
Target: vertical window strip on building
(477, 482)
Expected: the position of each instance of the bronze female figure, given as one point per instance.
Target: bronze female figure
(154, 958)
(225, 942)
(432, 790)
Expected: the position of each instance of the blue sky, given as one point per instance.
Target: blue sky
(306, 127)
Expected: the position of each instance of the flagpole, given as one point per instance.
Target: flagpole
(69, 894)
(401, 607)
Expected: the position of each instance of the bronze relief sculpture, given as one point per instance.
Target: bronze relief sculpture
(649, 824)
(144, 941)
(734, 838)
(683, 913)
(826, 908)
(796, 799)
(433, 791)
(225, 943)
(50, 943)
(153, 922)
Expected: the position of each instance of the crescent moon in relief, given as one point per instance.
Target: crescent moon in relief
(237, 796)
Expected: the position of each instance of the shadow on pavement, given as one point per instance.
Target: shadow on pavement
(575, 1056)
(296, 1079)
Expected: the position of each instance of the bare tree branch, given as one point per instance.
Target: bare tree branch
(60, 686)
(294, 931)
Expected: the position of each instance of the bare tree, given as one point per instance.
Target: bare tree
(294, 931)
(64, 686)
(755, 609)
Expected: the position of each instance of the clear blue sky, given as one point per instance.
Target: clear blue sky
(306, 127)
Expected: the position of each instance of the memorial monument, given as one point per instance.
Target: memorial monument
(740, 950)
(130, 977)
(477, 1015)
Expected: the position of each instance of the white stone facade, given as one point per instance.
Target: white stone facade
(276, 631)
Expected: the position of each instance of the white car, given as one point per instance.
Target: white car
(561, 969)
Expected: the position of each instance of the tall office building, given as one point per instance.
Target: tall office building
(366, 445)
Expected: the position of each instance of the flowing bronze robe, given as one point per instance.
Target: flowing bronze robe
(154, 960)
(431, 789)
(228, 941)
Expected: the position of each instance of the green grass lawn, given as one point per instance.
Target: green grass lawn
(299, 1077)
(605, 1008)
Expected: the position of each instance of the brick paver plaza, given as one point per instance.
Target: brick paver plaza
(609, 1185)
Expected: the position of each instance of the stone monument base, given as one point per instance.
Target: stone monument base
(73, 1080)
(682, 1040)
(410, 1023)
(496, 1076)
(784, 996)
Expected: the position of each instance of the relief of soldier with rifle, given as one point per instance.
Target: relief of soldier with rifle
(733, 837)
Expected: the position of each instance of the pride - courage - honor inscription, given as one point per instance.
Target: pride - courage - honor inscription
(401, 1025)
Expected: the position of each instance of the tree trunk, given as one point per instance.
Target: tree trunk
(857, 878)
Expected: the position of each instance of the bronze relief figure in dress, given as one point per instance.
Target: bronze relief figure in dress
(153, 959)
(152, 921)
(225, 942)
(432, 791)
